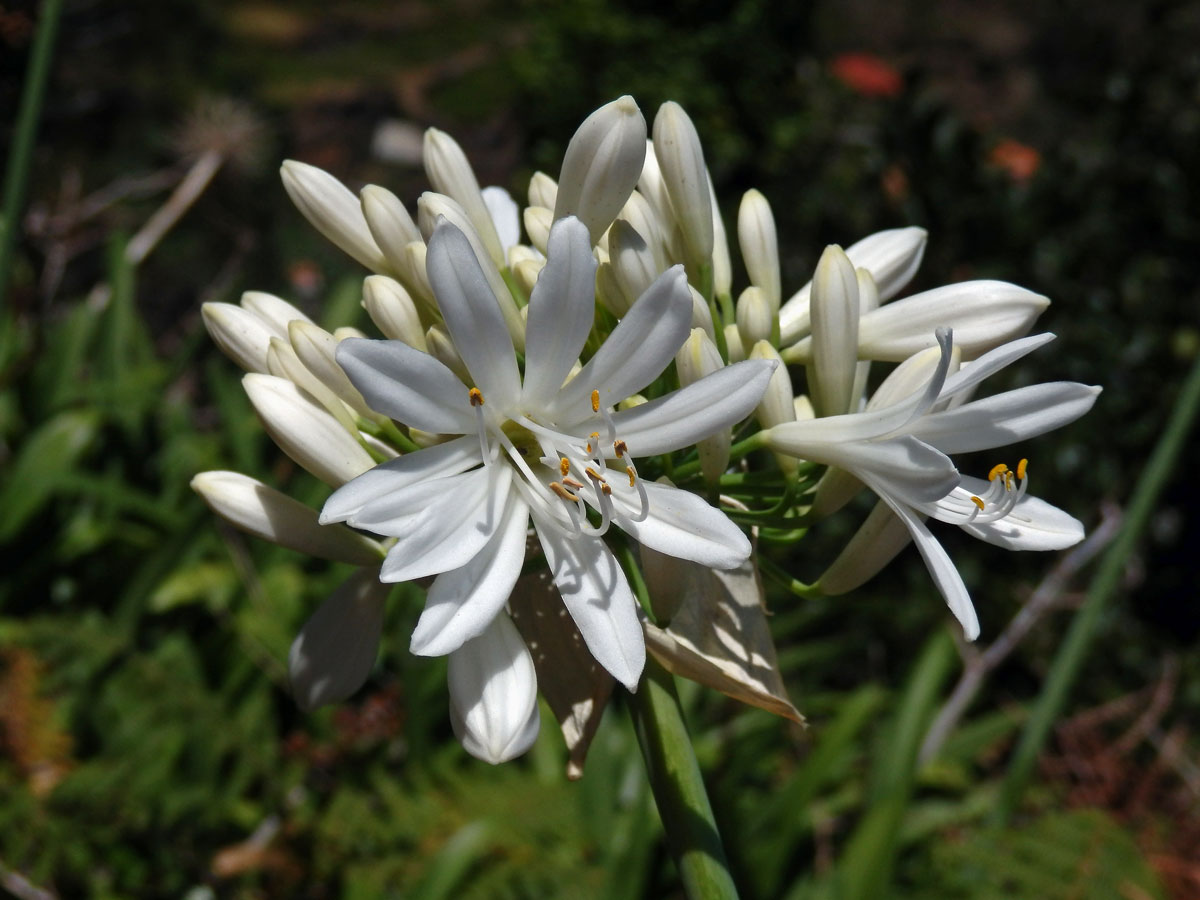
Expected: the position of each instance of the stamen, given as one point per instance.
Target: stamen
(476, 396)
(632, 473)
(606, 490)
(1008, 481)
(571, 482)
(621, 448)
(563, 492)
(1021, 466)
(481, 426)
(997, 470)
(593, 438)
(564, 466)
(592, 473)
(595, 401)
(977, 501)
(609, 428)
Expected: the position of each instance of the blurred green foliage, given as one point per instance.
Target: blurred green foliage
(149, 747)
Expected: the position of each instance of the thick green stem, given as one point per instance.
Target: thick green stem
(21, 150)
(678, 788)
(1071, 655)
(737, 451)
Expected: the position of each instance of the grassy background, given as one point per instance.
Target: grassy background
(147, 743)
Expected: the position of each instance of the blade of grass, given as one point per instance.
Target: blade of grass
(1070, 657)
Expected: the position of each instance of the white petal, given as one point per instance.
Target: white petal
(991, 362)
(637, 351)
(335, 650)
(261, 510)
(683, 525)
(597, 595)
(462, 603)
(493, 694)
(561, 311)
(439, 525)
(472, 314)
(683, 417)
(434, 462)
(941, 567)
(506, 216)
(408, 385)
(1006, 418)
(1033, 524)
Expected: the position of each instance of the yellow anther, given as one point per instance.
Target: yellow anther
(563, 492)
(1008, 481)
(605, 490)
(595, 401)
(564, 465)
(571, 482)
(621, 447)
(1021, 466)
(593, 442)
(997, 470)
(632, 475)
(592, 473)
(977, 501)
(476, 396)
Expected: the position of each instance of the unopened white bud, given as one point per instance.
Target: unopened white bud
(333, 655)
(451, 174)
(760, 248)
(269, 514)
(415, 276)
(609, 291)
(283, 362)
(834, 333)
(526, 272)
(701, 314)
(317, 348)
(722, 267)
(538, 220)
(632, 260)
(543, 190)
(734, 347)
(754, 316)
(506, 217)
(777, 405)
(275, 311)
(393, 311)
(681, 160)
(638, 212)
(493, 693)
(601, 166)
(390, 223)
(696, 358)
(334, 211)
(442, 349)
(305, 431)
(876, 543)
(242, 335)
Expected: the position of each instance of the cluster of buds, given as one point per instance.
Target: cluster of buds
(521, 381)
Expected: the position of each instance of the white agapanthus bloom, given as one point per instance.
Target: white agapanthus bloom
(536, 448)
(899, 452)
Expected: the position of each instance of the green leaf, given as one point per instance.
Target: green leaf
(41, 464)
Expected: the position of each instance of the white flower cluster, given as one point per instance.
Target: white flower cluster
(523, 385)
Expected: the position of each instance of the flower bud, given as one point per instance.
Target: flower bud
(760, 249)
(543, 190)
(393, 311)
(283, 362)
(602, 165)
(892, 257)
(696, 358)
(633, 262)
(443, 350)
(415, 276)
(390, 223)
(275, 311)
(316, 348)
(526, 272)
(701, 314)
(777, 404)
(333, 655)
(754, 316)
(493, 693)
(269, 514)
(334, 211)
(242, 335)
(609, 291)
(306, 432)
(734, 348)
(638, 212)
(876, 543)
(506, 217)
(834, 333)
(681, 160)
(722, 267)
(451, 174)
(538, 220)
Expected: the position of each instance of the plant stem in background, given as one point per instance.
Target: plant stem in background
(678, 788)
(1108, 577)
(16, 175)
(198, 177)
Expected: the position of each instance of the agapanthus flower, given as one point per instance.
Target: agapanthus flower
(548, 447)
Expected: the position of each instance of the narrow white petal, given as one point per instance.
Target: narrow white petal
(683, 525)
(263, 511)
(683, 417)
(462, 603)
(1033, 524)
(443, 529)
(434, 462)
(335, 650)
(637, 351)
(991, 362)
(941, 567)
(506, 216)
(561, 311)
(597, 595)
(407, 385)
(472, 314)
(493, 694)
(1006, 418)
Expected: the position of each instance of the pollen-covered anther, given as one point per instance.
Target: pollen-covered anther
(605, 489)
(564, 466)
(572, 483)
(621, 448)
(476, 396)
(592, 473)
(1008, 480)
(629, 470)
(978, 501)
(595, 401)
(1021, 467)
(563, 492)
(997, 470)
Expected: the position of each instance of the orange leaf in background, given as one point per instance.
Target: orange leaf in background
(867, 74)
(1019, 161)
